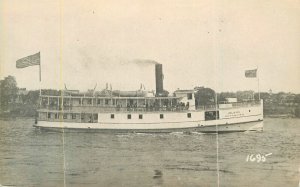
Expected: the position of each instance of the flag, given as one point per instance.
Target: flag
(251, 73)
(31, 60)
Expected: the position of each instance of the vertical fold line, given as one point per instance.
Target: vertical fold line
(60, 86)
(215, 61)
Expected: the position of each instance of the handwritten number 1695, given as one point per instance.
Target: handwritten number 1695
(257, 157)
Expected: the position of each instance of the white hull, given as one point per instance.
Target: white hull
(230, 120)
(222, 128)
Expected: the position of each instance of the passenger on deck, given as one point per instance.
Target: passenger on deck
(135, 107)
(147, 106)
(128, 107)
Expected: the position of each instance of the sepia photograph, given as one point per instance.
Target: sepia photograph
(162, 93)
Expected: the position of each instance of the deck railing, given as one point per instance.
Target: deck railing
(113, 108)
(110, 109)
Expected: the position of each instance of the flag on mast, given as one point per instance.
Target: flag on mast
(251, 73)
(31, 60)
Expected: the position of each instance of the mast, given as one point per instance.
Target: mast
(40, 77)
(40, 80)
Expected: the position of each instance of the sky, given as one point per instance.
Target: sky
(207, 43)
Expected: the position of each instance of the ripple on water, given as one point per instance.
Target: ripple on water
(148, 159)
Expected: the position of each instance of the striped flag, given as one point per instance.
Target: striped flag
(31, 60)
(251, 73)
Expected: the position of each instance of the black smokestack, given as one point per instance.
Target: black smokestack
(159, 79)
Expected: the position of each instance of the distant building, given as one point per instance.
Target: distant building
(231, 100)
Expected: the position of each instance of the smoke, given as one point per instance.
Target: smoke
(142, 62)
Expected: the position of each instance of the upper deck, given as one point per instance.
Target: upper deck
(109, 104)
(96, 104)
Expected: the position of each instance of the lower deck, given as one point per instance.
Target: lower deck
(150, 117)
(155, 121)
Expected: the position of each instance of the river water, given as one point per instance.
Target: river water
(29, 157)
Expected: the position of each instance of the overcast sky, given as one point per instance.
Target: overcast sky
(200, 43)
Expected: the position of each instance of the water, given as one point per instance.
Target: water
(29, 157)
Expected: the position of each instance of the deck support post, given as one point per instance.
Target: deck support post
(48, 103)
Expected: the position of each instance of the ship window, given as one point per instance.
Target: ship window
(190, 96)
(112, 116)
(140, 116)
(89, 101)
(189, 115)
(73, 116)
(95, 116)
(211, 115)
(129, 116)
(161, 116)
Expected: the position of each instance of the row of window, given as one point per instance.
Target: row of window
(209, 115)
(95, 116)
(72, 116)
(98, 101)
(161, 116)
(65, 116)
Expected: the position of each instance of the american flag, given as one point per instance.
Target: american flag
(251, 73)
(31, 60)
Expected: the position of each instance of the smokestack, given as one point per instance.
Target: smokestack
(159, 80)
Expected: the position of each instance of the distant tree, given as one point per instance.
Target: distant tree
(263, 95)
(204, 96)
(51, 92)
(297, 98)
(297, 112)
(32, 97)
(279, 97)
(223, 95)
(245, 95)
(8, 91)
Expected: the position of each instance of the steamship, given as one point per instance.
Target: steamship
(142, 111)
